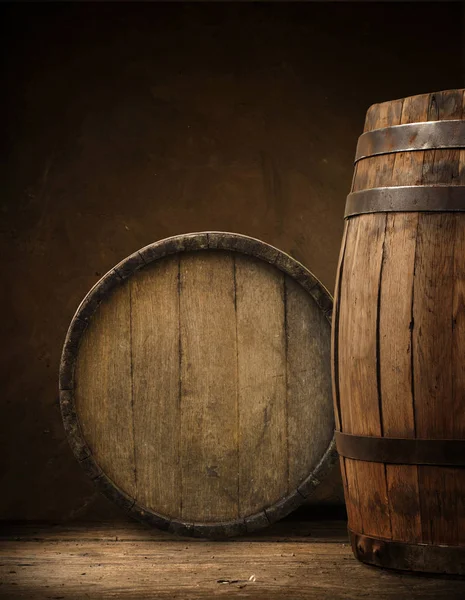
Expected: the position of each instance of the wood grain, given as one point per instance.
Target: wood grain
(432, 350)
(404, 502)
(436, 268)
(155, 370)
(357, 326)
(442, 505)
(396, 318)
(358, 382)
(457, 421)
(309, 405)
(373, 171)
(94, 560)
(396, 322)
(104, 389)
(335, 332)
(209, 450)
(458, 344)
(261, 376)
(352, 497)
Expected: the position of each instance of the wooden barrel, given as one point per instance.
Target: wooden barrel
(399, 337)
(196, 385)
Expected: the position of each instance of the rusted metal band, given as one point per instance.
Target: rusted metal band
(408, 557)
(415, 198)
(411, 136)
(401, 451)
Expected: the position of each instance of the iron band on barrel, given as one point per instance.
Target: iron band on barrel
(411, 136)
(410, 557)
(401, 451)
(416, 198)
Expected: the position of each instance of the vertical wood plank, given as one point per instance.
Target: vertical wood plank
(380, 167)
(263, 442)
(383, 114)
(395, 325)
(434, 284)
(352, 508)
(369, 479)
(461, 177)
(350, 483)
(358, 374)
(407, 169)
(457, 421)
(155, 369)
(442, 165)
(370, 496)
(396, 317)
(208, 387)
(335, 332)
(361, 168)
(432, 351)
(458, 327)
(371, 172)
(433, 370)
(308, 384)
(457, 411)
(396, 331)
(435, 281)
(442, 505)
(357, 326)
(104, 389)
(442, 500)
(404, 502)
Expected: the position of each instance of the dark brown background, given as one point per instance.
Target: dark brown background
(127, 124)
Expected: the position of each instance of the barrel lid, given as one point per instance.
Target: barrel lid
(195, 384)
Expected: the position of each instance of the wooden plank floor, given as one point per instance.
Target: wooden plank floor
(293, 560)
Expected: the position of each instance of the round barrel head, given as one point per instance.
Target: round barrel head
(195, 384)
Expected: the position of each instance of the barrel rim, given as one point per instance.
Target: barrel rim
(402, 99)
(207, 240)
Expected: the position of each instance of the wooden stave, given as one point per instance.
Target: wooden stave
(209, 240)
(383, 180)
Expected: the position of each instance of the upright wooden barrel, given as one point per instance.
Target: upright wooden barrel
(196, 387)
(399, 337)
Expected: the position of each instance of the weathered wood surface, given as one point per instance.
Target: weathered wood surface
(156, 371)
(399, 350)
(306, 336)
(133, 562)
(209, 389)
(261, 376)
(202, 381)
(103, 383)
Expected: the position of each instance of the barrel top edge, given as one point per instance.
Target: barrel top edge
(196, 241)
(207, 240)
(376, 105)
